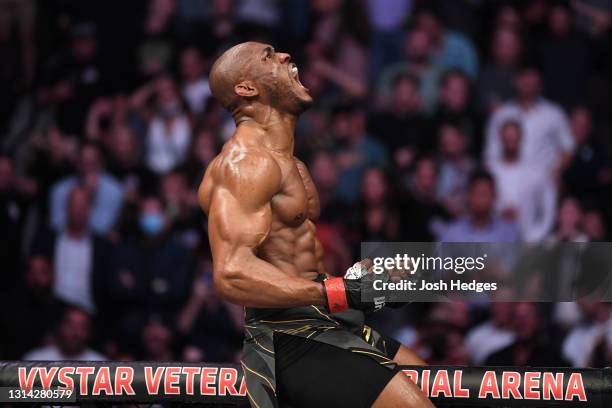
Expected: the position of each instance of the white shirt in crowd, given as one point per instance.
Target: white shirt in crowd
(196, 94)
(486, 339)
(73, 269)
(546, 133)
(581, 341)
(167, 146)
(52, 353)
(532, 194)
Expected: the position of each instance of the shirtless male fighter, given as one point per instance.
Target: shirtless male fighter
(306, 344)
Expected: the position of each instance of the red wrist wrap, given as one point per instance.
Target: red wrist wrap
(336, 294)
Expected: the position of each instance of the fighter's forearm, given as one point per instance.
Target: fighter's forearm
(253, 282)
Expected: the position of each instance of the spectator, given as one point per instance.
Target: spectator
(324, 171)
(204, 150)
(75, 79)
(338, 52)
(71, 339)
(495, 80)
(530, 346)
(126, 164)
(195, 85)
(569, 221)
(169, 132)
(156, 48)
(547, 138)
(211, 326)
(79, 255)
(386, 19)
(524, 195)
(580, 345)
(452, 50)
(50, 157)
(183, 211)
(356, 150)
(418, 62)
(13, 213)
(379, 217)
(454, 168)
(149, 273)
(480, 224)
(158, 341)
(332, 224)
(37, 307)
(492, 335)
(594, 17)
(594, 225)
(565, 59)
(589, 169)
(454, 106)
(106, 114)
(106, 193)
(423, 216)
(401, 126)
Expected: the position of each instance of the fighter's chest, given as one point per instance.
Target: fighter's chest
(297, 199)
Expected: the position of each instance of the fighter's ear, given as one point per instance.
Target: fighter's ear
(246, 89)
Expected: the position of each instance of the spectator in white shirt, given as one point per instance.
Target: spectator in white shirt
(595, 328)
(493, 335)
(73, 253)
(196, 90)
(70, 340)
(524, 194)
(547, 137)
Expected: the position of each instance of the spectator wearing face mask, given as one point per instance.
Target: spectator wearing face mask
(150, 272)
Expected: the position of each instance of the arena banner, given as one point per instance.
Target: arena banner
(211, 384)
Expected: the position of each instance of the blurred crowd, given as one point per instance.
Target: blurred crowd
(455, 121)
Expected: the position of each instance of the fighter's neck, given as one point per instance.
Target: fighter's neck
(276, 129)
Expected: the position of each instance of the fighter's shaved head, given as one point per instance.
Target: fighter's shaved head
(229, 69)
(253, 77)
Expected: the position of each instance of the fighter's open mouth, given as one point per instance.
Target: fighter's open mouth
(295, 74)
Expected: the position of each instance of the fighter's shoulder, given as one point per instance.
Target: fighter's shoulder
(241, 165)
